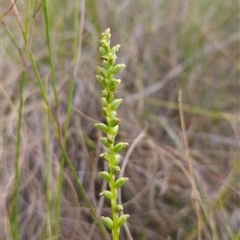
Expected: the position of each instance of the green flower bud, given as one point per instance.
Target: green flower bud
(115, 49)
(105, 175)
(104, 93)
(122, 219)
(115, 169)
(103, 127)
(117, 68)
(98, 77)
(118, 147)
(102, 50)
(114, 85)
(113, 114)
(110, 139)
(101, 80)
(106, 156)
(104, 112)
(115, 130)
(110, 97)
(102, 71)
(116, 103)
(107, 194)
(105, 142)
(118, 208)
(107, 33)
(104, 102)
(105, 63)
(108, 222)
(103, 42)
(111, 59)
(120, 182)
(114, 122)
(117, 159)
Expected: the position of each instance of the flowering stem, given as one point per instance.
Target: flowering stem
(110, 105)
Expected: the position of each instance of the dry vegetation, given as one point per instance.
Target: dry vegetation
(176, 190)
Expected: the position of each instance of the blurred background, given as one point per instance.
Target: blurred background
(180, 116)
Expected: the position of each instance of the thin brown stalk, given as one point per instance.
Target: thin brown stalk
(190, 166)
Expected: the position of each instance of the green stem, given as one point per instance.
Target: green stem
(115, 230)
(48, 174)
(19, 126)
(44, 94)
(47, 24)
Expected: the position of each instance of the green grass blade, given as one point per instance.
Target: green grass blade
(47, 25)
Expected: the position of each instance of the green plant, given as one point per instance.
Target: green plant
(109, 111)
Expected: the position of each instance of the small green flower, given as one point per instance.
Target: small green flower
(115, 170)
(116, 103)
(105, 142)
(107, 194)
(106, 156)
(120, 182)
(117, 159)
(117, 68)
(123, 219)
(118, 147)
(118, 208)
(103, 127)
(105, 175)
(108, 222)
(114, 122)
